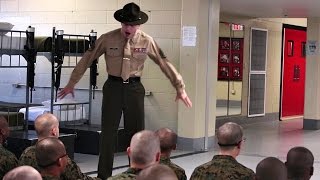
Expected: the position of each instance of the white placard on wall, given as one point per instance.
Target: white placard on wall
(312, 47)
(189, 35)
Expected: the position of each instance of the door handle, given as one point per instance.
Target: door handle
(296, 73)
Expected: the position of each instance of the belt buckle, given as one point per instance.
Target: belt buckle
(126, 81)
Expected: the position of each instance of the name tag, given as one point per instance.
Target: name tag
(140, 50)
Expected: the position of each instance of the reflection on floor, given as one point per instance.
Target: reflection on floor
(263, 140)
(223, 111)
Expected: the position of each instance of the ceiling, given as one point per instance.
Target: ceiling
(272, 8)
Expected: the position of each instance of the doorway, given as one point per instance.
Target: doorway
(230, 67)
(293, 72)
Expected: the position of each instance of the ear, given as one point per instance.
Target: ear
(54, 132)
(311, 170)
(158, 155)
(239, 145)
(174, 147)
(59, 162)
(128, 151)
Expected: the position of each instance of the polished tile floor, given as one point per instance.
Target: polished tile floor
(263, 140)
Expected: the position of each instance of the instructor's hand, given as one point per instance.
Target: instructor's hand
(184, 98)
(65, 91)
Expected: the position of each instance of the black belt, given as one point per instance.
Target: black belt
(119, 79)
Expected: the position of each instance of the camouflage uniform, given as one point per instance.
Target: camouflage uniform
(222, 167)
(72, 171)
(28, 157)
(130, 173)
(49, 177)
(8, 161)
(177, 169)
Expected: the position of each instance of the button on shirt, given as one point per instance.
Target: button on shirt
(112, 44)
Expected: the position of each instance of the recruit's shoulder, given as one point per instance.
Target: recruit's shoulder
(204, 167)
(123, 176)
(245, 170)
(7, 156)
(29, 151)
(5, 152)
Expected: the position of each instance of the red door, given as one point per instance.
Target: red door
(293, 79)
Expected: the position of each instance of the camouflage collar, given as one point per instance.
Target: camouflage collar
(225, 157)
(50, 177)
(133, 171)
(164, 159)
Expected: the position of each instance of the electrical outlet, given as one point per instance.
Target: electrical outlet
(148, 93)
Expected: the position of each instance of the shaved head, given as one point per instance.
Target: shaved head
(271, 168)
(3, 122)
(144, 147)
(168, 139)
(48, 151)
(4, 128)
(23, 173)
(229, 135)
(157, 172)
(300, 163)
(47, 125)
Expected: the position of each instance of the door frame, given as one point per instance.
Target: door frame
(285, 26)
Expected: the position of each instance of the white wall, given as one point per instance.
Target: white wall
(80, 16)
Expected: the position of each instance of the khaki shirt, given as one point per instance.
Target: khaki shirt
(112, 44)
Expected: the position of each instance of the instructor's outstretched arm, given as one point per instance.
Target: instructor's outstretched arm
(65, 91)
(184, 98)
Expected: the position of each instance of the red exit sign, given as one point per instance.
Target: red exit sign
(237, 27)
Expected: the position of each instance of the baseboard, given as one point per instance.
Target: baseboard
(243, 120)
(311, 124)
(194, 144)
(198, 144)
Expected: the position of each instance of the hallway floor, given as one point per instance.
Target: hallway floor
(263, 140)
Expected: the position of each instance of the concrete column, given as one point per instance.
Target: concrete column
(312, 86)
(198, 66)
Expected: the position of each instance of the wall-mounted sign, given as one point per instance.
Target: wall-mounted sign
(237, 27)
(312, 47)
(189, 35)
